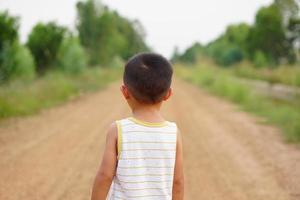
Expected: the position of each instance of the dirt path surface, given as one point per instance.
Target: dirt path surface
(54, 155)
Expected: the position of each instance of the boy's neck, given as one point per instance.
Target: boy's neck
(149, 113)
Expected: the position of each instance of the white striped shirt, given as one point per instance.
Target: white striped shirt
(146, 159)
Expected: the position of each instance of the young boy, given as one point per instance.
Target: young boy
(143, 153)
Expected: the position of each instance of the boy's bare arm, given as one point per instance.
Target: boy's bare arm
(178, 182)
(107, 168)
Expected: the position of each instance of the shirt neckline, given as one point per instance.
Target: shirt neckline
(145, 123)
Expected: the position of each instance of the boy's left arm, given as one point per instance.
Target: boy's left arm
(107, 168)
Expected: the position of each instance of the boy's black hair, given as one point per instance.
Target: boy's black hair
(148, 77)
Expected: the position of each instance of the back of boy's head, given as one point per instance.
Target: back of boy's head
(148, 77)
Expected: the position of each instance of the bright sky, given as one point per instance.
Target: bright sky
(168, 23)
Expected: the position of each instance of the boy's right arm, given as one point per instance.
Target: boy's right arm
(178, 182)
(107, 169)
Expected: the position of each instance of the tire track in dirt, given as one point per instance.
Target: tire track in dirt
(228, 154)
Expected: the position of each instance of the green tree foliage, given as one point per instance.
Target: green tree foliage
(290, 12)
(274, 38)
(237, 35)
(294, 29)
(87, 26)
(8, 29)
(8, 33)
(260, 59)
(293, 37)
(17, 62)
(224, 52)
(190, 55)
(105, 34)
(15, 59)
(289, 9)
(293, 40)
(71, 56)
(134, 34)
(44, 42)
(230, 47)
(268, 35)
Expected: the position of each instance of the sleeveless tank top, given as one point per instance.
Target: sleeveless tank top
(146, 160)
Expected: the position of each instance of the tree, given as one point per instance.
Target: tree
(44, 42)
(237, 35)
(224, 52)
(231, 46)
(8, 28)
(293, 34)
(8, 31)
(268, 35)
(290, 12)
(191, 54)
(105, 34)
(87, 26)
(134, 34)
(71, 56)
(274, 38)
(15, 59)
(288, 9)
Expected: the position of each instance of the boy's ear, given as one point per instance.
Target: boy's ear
(168, 95)
(125, 91)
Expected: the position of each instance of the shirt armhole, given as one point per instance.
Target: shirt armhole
(119, 138)
(177, 134)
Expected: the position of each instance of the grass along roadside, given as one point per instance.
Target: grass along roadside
(223, 83)
(287, 75)
(19, 98)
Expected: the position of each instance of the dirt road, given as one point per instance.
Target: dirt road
(54, 155)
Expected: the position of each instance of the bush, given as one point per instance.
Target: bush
(44, 42)
(224, 52)
(17, 63)
(260, 59)
(230, 56)
(71, 56)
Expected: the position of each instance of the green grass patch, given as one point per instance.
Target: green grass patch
(288, 75)
(19, 98)
(222, 83)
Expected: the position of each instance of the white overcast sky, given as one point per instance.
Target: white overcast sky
(168, 23)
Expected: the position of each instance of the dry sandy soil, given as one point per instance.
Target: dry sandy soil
(228, 154)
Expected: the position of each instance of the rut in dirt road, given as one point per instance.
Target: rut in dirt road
(228, 156)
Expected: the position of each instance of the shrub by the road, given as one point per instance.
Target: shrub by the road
(17, 62)
(71, 56)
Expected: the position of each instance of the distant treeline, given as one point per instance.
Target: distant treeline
(273, 39)
(102, 38)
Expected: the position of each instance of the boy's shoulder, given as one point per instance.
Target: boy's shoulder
(112, 130)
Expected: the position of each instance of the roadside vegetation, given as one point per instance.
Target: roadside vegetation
(266, 50)
(19, 98)
(273, 40)
(56, 64)
(284, 74)
(222, 83)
